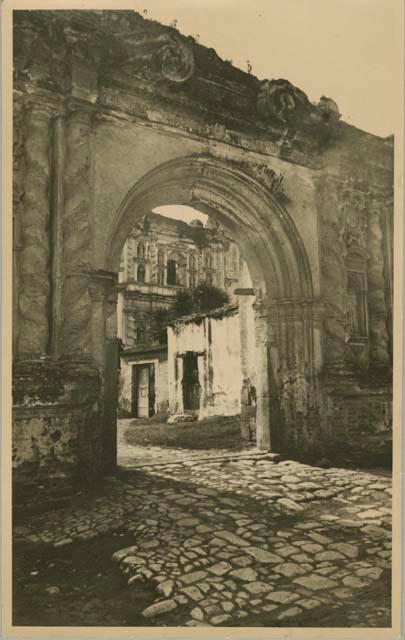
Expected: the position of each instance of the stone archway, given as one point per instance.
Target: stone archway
(236, 199)
(277, 262)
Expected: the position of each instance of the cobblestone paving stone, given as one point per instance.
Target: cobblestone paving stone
(222, 540)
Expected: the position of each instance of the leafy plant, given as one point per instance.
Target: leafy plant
(201, 299)
(206, 297)
(184, 303)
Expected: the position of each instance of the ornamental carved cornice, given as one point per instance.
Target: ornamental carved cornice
(279, 100)
(63, 50)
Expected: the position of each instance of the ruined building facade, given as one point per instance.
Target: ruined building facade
(114, 116)
(162, 256)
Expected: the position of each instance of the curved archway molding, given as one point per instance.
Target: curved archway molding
(240, 202)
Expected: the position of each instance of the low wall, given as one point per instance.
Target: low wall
(348, 421)
(57, 431)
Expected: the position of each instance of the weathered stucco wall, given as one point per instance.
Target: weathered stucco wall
(216, 340)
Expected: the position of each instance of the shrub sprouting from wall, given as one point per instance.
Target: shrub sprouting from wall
(206, 297)
(201, 299)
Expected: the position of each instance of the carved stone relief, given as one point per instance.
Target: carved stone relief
(281, 100)
(267, 176)
(355, 233)
(165, 55)
(285, 103)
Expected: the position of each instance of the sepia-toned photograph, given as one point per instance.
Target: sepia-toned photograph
(202, 316)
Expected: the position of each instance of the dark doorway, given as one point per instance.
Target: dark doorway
(191, 383)
(143, 390)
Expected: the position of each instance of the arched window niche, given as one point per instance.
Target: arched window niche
(140, 274)
(140, 252)
(356, 290)
(172, 272)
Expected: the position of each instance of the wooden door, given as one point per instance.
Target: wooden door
(143, 391)
(191, 384)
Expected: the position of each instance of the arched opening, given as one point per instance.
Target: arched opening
(171, 272)
(272, 249)
(141, 250)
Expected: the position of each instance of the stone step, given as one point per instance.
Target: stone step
(231, 457)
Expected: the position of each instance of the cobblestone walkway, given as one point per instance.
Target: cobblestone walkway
(224, 540)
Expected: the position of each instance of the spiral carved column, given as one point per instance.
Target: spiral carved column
(75, 334)
(34, 280)
(379, 340)
(333, 271)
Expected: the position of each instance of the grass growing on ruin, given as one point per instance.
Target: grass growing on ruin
(212, 433)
